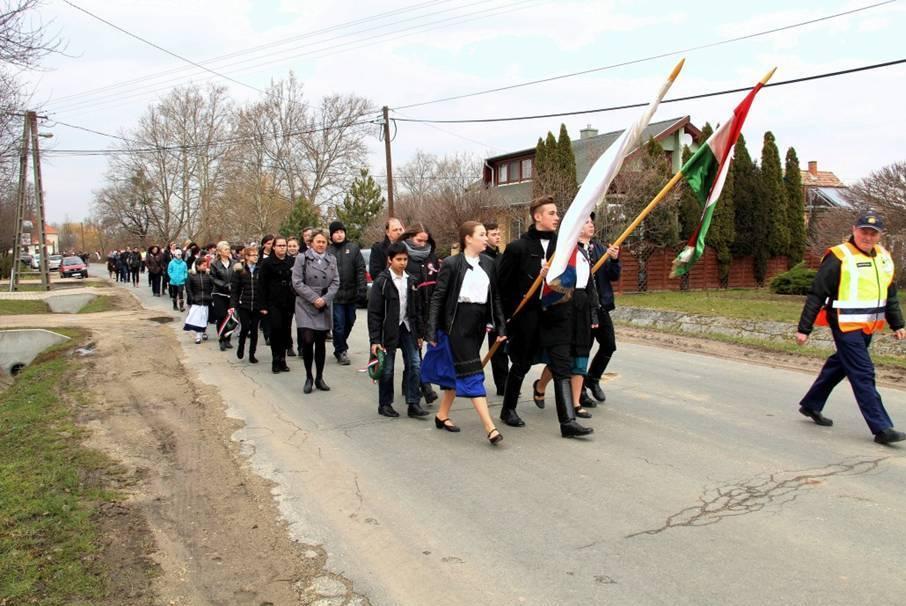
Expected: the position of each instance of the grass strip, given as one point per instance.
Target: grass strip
(18, 307)
(746, 304)
(98, 304)
(50, 490)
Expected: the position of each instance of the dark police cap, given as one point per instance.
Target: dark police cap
(870, 219)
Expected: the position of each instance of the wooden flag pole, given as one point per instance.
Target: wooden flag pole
(645, 212)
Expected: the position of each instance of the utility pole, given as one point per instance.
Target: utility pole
(30, 131)
(389, 162)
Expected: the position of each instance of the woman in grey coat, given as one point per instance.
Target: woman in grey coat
(316, 281)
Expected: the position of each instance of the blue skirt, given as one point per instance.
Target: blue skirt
(437, 368)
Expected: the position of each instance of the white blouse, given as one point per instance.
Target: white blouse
(583, 268)
(475, 284)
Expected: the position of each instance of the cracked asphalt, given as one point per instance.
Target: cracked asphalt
(701, 485)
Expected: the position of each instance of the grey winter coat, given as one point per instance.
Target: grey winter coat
(314, 278)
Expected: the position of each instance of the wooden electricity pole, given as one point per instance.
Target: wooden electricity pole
(30, 136)
(386, 111)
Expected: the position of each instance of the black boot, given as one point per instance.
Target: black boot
(510, 399)
(594, 386)
(563, 395)
(240, 351)
(585, 401)
(428, 392)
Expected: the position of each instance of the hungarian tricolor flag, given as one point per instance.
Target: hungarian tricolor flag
(705, 173)
(560, 283)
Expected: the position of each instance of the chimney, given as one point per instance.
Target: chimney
(813, 168)
(588, 132)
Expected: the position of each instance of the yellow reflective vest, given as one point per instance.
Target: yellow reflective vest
(862, 294)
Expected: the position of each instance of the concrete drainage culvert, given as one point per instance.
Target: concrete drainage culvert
(19, 347)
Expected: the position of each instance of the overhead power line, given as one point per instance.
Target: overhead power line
(649, 58)
(161, 48)
(646, 103)
(144, 89)
(105, 152)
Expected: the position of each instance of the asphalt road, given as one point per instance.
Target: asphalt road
(701, 485)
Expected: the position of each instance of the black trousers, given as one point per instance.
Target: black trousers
(281, 322)
(607, 345)
(249, 321)
(155, 283)
(499, 365)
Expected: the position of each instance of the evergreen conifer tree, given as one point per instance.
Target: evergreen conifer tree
(362, 203)
(566, 169)
(774, 203)
(792, 182)
(304, 214)
(723, 229)
(745, 192)
(661, 227)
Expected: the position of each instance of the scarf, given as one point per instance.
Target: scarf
(417, 253)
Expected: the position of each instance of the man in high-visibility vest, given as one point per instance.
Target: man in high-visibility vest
(855, 295)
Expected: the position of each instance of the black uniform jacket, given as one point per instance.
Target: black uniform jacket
(384, 311)
(446, 295)
(518, 267)
(245, 288)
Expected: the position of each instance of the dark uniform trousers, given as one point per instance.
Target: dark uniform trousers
(850, 361)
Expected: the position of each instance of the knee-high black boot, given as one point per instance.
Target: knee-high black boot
(510, 399)
(563, 395)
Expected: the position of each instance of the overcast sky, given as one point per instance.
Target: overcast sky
(428, 50)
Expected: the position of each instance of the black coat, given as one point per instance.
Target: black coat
(377, 262)
(245, 289)
(609, 272)
(199, 288)
(384, 311)
(277, 283)
(446, 295)
(221, 276)
(518, 267)
(351, 267)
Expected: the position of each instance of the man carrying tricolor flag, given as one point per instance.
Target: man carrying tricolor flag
(561, 277)
(705, 173)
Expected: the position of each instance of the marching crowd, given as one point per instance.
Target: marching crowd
(439, 313)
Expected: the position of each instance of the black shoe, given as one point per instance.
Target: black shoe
(228, 344)
(585, 401)
(275, 368)
(175, 308)
(509, 416)
(537, 396)
(430, 395)
(582, 413)
(252, 358)
(321, 385)
(817, 417)
(387, 411)
(572, 429)
(495, 436)
(417, 411)
(223, 346)
(290, 352)
(309, 386)
(889, 436)
(594, 386)
(283, 366)
(343, 359)
(446, 424)
(240, 351)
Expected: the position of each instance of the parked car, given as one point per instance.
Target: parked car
(53, 262)
(25, 258)
(366, 254)
(73, 266)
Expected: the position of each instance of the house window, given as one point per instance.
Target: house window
(516, 228)
(514, 171)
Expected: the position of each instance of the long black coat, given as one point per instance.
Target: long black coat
(377, 262)
(518, 267)
(384, 311)
(609, 272)
(277, 283)
(446, 295)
